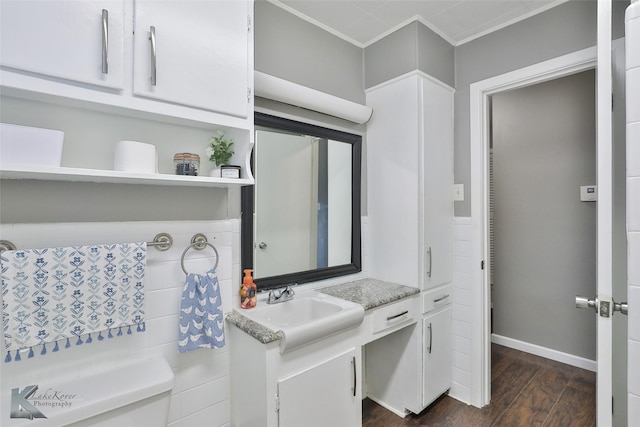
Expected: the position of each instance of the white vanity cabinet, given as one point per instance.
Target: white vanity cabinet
(410, 172)
(317, 385)
(82, 41)
(193, 53)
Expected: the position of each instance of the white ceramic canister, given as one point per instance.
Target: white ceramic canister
(134, 156)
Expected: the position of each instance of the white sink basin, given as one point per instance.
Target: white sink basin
(308, 317)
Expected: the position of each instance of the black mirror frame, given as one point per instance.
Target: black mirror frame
(247, 201)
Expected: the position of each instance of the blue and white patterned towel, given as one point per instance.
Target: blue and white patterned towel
(201, 318)
(54, 294)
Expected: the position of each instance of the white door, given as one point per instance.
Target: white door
(605, 220)
(282, 238)
(74, 40)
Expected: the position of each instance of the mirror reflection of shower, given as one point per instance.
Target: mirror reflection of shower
(303, 197)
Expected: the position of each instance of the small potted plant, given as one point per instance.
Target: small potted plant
(220, 152)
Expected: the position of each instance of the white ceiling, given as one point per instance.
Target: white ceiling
(363, 22)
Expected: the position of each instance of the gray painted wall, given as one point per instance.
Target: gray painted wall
(545, 237)
(413, 47)
(556, 32)
(295, 50)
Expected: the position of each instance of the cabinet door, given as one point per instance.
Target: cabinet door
(323, 395)
(437, 117)
(393, 178)
(64, 39)
(193, 53)
(436, 355)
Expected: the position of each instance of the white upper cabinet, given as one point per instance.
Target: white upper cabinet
(193, 53)
(97, 55)
(82, 41)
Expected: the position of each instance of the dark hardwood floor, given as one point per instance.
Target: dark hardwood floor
(526, 390)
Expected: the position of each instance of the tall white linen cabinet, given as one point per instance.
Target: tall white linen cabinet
(410, 212)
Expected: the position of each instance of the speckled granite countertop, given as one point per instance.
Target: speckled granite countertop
(369, 293)
(255, 329)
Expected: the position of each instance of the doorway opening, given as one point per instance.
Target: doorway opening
(542, 218)
(480, 96)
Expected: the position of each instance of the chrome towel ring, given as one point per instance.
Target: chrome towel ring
(198, 242)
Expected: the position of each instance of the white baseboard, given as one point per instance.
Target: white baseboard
(398, 412)
(558, 356)
(460, 393)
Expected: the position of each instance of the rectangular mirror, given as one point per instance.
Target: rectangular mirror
(301, 220)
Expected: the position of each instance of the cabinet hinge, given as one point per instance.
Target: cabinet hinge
(482, 265)
(249, 23)
(277, 402)
(248, 94)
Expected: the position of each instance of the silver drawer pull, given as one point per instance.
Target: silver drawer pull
(152, 38)
(105, 41)
(441, 298)
(397, 315)
(355, 376)
(430, 262)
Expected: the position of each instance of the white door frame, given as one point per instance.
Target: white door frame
(479, 139)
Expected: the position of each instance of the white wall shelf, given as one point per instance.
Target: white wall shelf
(116, 177)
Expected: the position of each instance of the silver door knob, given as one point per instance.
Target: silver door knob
(584, 302)
(262, 245)
(622, 307)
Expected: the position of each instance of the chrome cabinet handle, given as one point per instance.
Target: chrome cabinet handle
(105, 41)
(430, 338)
(397, 315)
(441, 298)
(430, 262)
(355, 377)
(152, 37)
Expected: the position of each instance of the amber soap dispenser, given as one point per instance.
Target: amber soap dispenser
(248, 291)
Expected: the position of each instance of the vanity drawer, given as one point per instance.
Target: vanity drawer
(398, 313)
(435, 298)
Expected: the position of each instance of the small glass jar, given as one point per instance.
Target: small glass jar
(186, 164)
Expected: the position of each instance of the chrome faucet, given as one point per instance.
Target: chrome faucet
(281, 295)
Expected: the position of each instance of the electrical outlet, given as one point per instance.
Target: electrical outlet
(458, 192)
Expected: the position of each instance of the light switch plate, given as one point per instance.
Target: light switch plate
(588, 193)
(458, 192)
